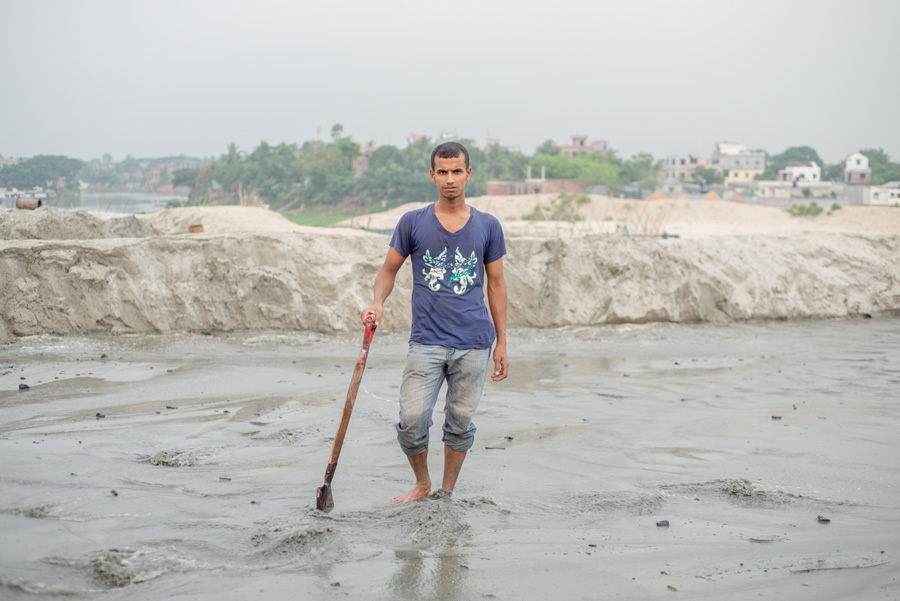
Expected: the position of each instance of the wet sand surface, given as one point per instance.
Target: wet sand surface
(184, 466)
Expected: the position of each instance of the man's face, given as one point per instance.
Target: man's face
(451, 176)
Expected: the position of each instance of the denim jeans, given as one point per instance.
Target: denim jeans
(426, 369)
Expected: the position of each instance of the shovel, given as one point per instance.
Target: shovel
(324, 498)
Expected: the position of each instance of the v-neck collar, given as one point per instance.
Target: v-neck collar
(441, 225)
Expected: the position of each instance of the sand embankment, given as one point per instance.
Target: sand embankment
(252, 268)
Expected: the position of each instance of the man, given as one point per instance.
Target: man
(453, 247)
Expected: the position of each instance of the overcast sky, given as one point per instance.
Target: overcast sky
(88, 77)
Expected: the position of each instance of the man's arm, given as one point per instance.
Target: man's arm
(384, 283)
(496, 292)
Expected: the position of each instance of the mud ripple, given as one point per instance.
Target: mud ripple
(23, 585)
(117, 568)
(295, 542)
(39, 512)
(743, 492)
(184, 458)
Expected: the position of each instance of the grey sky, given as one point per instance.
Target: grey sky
(83, 78)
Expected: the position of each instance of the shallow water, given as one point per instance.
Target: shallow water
(123, 202)
(197, 479)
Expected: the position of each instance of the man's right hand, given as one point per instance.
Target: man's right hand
(376, 311)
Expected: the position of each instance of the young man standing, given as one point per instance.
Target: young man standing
(454, 249)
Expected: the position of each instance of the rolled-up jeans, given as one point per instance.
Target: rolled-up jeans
(426, 369)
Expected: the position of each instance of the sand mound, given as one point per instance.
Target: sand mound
(318, 279)
(48, 223)
(684, 218)
(218, 220)
(286, 276)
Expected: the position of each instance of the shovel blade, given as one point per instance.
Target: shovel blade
(324, 499)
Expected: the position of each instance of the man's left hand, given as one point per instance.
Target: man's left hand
(501, 363)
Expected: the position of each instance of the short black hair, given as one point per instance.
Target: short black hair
(449, 150)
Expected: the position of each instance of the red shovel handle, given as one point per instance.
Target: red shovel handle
(367, 340)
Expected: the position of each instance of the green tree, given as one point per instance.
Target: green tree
(494, 163)
(229, 168)
(42, 170)
(641, 169)
(883, 170)
(401, 175)
(795, 155)
(832, 173)
(129, 165)
(592, 169)
(707, 176)
(548, 148)
(272, 172)
(185, 177)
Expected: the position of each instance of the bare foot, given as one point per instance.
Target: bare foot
(416, 492)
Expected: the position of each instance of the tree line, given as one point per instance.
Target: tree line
(322, 173)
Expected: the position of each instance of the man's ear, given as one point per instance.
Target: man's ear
(431, 174)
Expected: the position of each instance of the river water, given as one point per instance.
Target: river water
(121, 202)
(185, 466)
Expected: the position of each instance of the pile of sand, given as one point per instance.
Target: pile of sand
(218, 220)
(684, 218)
(48, 223)
(252, 268)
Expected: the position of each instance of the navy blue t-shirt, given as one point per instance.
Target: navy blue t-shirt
(448, 276)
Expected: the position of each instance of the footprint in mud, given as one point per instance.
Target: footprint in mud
(438, 521)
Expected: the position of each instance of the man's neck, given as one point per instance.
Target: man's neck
(456, 205)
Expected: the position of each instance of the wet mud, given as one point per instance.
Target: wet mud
(630, 462)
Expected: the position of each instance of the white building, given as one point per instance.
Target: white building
(809, 173)
(885, 195)
(856, 169)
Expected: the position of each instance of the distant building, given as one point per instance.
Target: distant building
(580, 145)
(536, 186)
(809, 173)
(856, 169)
(681, 166)
(886, 194)
(736, 163)
(677, 188)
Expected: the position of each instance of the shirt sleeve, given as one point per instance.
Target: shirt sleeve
(496, 244)
(400, 239)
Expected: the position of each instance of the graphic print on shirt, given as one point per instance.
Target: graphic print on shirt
(462, 270)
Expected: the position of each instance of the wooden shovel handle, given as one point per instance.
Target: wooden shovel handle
(351, 398)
